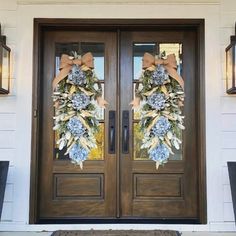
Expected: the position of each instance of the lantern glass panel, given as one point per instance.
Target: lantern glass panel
(4, 69)
(234, 65)
(229, 67)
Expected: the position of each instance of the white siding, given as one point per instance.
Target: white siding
(228, 108)
(7, 212)
(8, 107)
(8, 5)
(7, 121)
(15, 109)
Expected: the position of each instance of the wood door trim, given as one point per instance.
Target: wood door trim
(42, 24)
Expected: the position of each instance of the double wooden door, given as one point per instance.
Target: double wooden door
(118, 181)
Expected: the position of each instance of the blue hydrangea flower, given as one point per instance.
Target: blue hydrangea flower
(77, 76)
(161, 127)
(80, 101)
(159, 75)
(75, 126)
(78, 154)
(160, 153)
(157, 101)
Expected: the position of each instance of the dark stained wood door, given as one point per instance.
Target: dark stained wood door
(125, 184)
(66, 191)
(171, 191)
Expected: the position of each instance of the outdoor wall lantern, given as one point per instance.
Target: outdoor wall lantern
(231, 65)
(4, 65)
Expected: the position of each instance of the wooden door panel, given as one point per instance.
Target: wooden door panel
(78, 186)
(157, 186)
(171, 191)
(65, 189)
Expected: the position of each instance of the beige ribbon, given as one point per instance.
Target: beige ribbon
(102, 102)
(169, 64)
(66, 64)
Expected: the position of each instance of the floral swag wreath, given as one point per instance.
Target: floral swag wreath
(161, 89)
(76, 88)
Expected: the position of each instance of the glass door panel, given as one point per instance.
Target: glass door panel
(98, 50)
(153, 48)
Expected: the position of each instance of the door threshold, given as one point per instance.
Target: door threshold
(118, 221)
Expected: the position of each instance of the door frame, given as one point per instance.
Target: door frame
(43, 24)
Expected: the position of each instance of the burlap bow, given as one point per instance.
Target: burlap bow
(67, 63)
(87, 61)
(170, 64)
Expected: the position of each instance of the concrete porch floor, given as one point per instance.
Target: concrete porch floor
(183, 233)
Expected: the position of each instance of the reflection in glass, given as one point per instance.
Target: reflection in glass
(138, 50)
(138, 153)
(97, 49)
(59, 154)
(99, 111)
(98, 152)
(137, 112)
(170, 48)
(178, 156)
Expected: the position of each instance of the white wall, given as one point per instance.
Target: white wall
(8, 108)
(228, 109)
(15, 110)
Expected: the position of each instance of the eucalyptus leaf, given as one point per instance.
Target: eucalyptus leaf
(62, 144)
(181, 126)
(169, 135)
(68, 135)
(176, 144)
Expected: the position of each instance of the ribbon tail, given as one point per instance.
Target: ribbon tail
(135, 103)
(173, 73)
(102, 102)
(63, 73)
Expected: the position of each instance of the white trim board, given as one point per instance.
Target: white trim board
(21, 227)
(63, 2)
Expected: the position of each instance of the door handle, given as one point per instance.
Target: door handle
(112, 132)
(125, 131)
